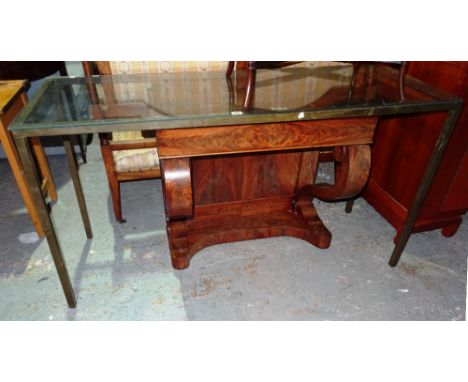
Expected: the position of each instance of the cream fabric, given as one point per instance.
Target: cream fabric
(145, 67)
(136, 160)
(184, 96)
(127, 136)
(144, 159)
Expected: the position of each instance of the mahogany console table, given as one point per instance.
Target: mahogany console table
(229, 173)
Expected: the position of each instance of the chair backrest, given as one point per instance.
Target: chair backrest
(147, 67)
(122, 93)
(265, 97)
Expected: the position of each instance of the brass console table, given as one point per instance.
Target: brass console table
(295, 113)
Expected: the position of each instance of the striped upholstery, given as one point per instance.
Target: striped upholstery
(146, 159)
(204, 93)
(129, 160)
(135, 159)
(145, 67)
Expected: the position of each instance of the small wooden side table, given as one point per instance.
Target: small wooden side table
(12, 100)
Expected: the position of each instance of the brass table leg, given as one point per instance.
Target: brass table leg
(73, 167)
(349, 205)
(32, 179)
(429, 173)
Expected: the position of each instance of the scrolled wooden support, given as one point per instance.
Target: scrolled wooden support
(177, 188)
(351, 173)
(178, 243)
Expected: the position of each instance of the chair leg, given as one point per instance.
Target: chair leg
(44, 168)
(18, 172)
(114, 184)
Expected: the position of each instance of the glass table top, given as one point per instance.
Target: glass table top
(70, 105)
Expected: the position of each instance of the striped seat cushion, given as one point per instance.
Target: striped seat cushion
(135, 159)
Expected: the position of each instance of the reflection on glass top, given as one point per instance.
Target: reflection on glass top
(201, 96)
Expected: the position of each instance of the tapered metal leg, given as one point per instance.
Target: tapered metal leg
(81, 144)
(73, 167)
(421, 193)
(32, 179)
(349, 205)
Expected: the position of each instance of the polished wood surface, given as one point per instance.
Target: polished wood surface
(177, 188)
(12, 101)
(401, 151)
(264, 137)
(231, 183)
(9, 91)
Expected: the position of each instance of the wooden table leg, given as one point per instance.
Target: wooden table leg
(42, 160)
(17, 169)
(32, 179)
(44, 168)
(73, 167)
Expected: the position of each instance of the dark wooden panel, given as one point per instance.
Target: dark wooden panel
(458, 193)
(252, 168)
(250, 191)
(245, 177)
(204, 179)
(402, 147)
(227, 179)
(177, 188)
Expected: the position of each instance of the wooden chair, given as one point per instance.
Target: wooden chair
(252, 66)
(12, 100)
(132, 155)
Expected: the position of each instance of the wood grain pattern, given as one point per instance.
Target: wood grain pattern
(224, 184)
(246, 177)
(138, 175)
(307, 168)
(12, 101)
(44, 168)
(9, 91)
(264, 137)
(351, 173)
(177, 188)
(228, 222)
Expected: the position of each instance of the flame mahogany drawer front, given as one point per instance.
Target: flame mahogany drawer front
(224, 184)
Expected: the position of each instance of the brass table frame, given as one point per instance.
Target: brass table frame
(452, 107)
